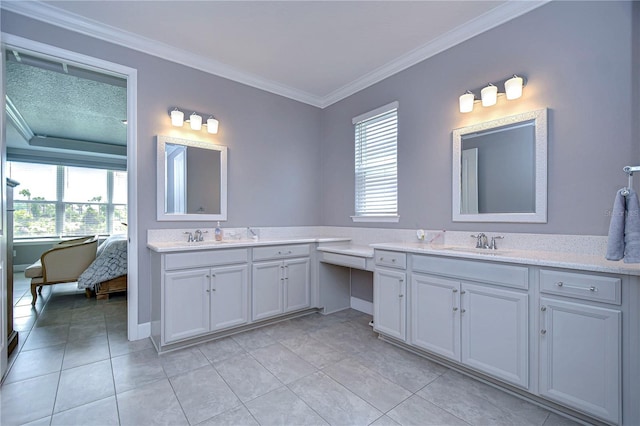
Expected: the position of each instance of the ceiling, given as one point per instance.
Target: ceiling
(317, 52)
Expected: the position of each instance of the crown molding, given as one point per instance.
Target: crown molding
(73, 22)
(495, 17)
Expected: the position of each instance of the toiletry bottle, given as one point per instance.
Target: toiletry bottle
(218, 232)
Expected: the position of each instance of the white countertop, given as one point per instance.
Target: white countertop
(528, 257)
(179, 246)
(350, 250)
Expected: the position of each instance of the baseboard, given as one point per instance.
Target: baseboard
(361, 305)
(143, 331)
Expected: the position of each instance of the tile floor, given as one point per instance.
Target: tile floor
(76, 367)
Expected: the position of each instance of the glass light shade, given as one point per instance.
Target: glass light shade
(466, 102)
(513, 87)
(489, 95)
(212, 125)
(195, 121)
(177, 118)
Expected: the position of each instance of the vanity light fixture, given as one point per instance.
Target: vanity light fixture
(195, 120)
(489, 94)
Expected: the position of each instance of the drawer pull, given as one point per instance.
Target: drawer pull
(543, 308)
(575, 287)
(543, 331)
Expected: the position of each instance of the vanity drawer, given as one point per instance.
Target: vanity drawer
(281, 252)
(488, 272)
(391, 258)
(581, 286)
(204, 258)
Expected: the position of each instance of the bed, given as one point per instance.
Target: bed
(108, 272)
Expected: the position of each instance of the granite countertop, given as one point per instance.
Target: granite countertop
(529, 257)
(181, 246)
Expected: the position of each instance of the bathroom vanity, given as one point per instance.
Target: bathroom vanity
(559, 329)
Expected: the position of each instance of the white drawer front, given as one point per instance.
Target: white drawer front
(391, 258)
(344, 260)
(581, 286)
(204, 258)
(281, 252)
(487, 272)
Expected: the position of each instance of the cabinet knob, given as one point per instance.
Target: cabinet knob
(208, 290)
(455, 309)
(543, 308)
(208, 276)
(463, 292)
(401, 295)
(393, 261)
(213, 289)
(543, 331)
(455, 290)
(382, 258)
(559, 283)
(593, 288)
(463, 310)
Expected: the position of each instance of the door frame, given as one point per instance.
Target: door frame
(134, 331)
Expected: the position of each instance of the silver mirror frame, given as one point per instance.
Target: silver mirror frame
(161, 183)
(540, 214)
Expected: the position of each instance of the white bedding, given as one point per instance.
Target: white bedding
(110, 262)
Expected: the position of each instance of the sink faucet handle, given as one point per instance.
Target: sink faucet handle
(493, 244)
(190, 236)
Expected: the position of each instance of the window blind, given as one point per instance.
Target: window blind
(376, 171)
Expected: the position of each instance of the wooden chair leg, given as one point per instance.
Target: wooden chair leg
(34, 295)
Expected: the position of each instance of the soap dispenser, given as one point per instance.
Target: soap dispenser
(218, 232)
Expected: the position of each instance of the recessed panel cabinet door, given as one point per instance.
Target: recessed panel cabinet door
(297, 277)
(389, 303)
(435, 315)
(229, 298)
(495, 336)
(268, 289)
(185, 304)
(580, 357)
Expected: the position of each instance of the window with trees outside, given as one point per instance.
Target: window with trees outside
(60, 201)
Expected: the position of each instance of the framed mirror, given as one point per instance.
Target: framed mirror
(500, 170)
(191, 180)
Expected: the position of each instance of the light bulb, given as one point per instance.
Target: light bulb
(195, 121)
(177, 117)
(489, 95)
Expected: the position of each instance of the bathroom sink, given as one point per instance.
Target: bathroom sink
(474, 250)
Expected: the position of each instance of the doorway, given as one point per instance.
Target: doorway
(88, 66)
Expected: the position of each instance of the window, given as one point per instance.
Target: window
(376, 165)
(53, 201)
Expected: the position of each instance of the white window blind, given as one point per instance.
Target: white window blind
(376, 170)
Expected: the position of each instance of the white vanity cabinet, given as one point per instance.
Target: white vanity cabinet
(280, 280)
(389, 294)
(581, 342)
(198, 293)
(482, 325)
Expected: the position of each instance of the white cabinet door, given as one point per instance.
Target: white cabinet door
(580, 357)
(229, 298)
(297, 284)
(268, 289)
(185, 304)
(495, 336)
(435, 315)
(389, 303)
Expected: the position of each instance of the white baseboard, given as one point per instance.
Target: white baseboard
(142, 331)
(362, 305)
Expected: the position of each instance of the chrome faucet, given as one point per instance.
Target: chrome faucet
(190, 237)
(481, 240)
(199, 235)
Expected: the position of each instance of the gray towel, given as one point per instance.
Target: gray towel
(632, 229)
(615, 243)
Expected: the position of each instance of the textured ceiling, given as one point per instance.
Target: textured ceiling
(62, 101)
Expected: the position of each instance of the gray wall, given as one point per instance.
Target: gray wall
(577, 57)
(273, 141)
